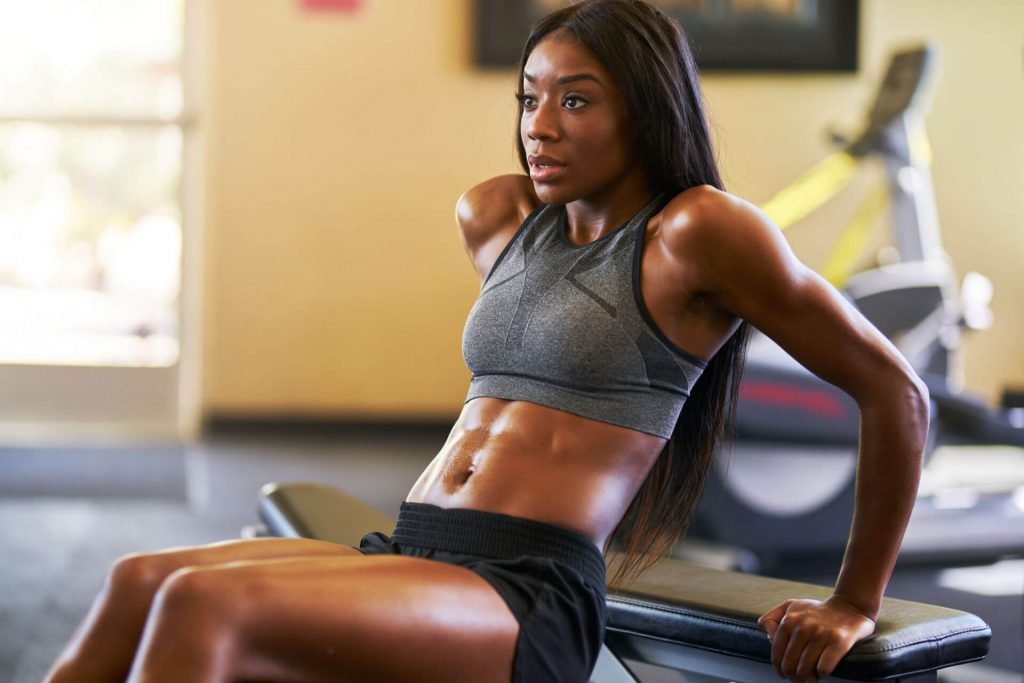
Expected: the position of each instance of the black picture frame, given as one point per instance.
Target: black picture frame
(726, 35)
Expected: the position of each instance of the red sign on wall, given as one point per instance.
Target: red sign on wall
(343, 6)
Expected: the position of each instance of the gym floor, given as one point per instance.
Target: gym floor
(67, 512)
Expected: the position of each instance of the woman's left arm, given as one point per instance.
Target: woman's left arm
(747, 268)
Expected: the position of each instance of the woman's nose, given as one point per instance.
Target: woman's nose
(542, 123)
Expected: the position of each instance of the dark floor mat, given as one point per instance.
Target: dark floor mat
(146, 471)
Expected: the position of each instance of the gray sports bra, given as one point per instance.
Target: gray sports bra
(565, 326)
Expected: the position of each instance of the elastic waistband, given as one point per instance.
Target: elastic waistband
(496, 536)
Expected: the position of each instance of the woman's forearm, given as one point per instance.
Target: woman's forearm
(892, 435)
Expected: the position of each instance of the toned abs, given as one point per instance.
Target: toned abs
(526, 460)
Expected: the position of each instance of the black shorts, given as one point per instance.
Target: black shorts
(551, 578)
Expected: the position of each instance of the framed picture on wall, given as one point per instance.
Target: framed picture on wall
(726, 35)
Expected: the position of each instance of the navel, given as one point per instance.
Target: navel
(458, 470)
(461, 463)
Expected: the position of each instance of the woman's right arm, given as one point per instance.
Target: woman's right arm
(489, 214)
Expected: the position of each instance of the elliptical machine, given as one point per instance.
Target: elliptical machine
(786, 490)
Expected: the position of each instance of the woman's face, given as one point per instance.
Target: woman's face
(579, 138)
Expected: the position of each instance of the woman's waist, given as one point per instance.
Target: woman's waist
(517, 460)
(581, 505)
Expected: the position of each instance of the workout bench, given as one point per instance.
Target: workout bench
(699, 621)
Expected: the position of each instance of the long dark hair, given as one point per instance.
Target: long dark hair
(650, 58)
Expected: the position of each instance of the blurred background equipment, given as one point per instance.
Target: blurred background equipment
(800, 433)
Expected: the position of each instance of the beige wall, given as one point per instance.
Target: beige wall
(335, 283)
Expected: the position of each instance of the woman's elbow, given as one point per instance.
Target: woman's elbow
(913, 403)
(898, 392)
(918, 396)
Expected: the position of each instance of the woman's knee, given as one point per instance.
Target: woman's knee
(139, 573)
(191, 629)
(209, 594)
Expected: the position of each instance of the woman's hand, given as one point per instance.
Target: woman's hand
(809, 637)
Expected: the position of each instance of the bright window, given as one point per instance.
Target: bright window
(91, 140)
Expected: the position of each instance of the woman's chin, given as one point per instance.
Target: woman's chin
(552, 194)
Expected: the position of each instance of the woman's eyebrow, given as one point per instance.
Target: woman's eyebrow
(562, 80)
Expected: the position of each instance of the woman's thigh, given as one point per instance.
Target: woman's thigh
(356, 618)
(250, 549)
(152, 568)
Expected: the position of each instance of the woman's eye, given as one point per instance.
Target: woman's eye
(527, 101)
(574, 102)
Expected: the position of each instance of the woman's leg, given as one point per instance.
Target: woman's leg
(104, 645)
(374, 618)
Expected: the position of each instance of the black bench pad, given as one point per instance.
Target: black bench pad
(717, 610)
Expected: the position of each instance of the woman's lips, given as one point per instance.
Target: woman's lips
(543, 173)
(545, 169)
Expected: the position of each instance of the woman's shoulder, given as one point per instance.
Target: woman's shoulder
(724, 242)
(705, 218)
(495, 206)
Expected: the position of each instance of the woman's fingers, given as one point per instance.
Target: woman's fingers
(769, 621)
(796, 644)
(809, 637)
(809, 666)
(830, 659)
(781, 644)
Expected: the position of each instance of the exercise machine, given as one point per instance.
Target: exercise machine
(682, 616)
(801, 433)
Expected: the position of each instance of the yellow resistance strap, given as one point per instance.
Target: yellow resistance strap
(839, 265)
(811, 190)
(823, 182)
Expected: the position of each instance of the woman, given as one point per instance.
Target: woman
(617, 279)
